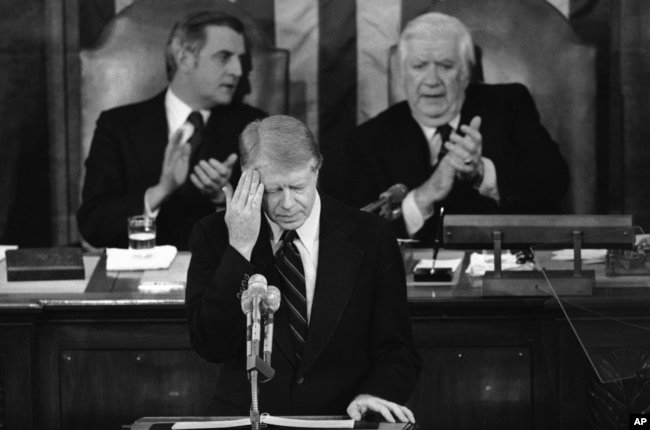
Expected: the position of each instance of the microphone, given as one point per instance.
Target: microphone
(258, 300)
(270, 305)
(392, 196)
(257, 285)
(247, 308)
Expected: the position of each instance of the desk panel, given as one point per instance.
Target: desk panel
(110, 354)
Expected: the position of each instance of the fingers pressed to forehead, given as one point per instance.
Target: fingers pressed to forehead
(257, 198)
(228, 193)
(256, 177)
(240, 185)
(254, 186)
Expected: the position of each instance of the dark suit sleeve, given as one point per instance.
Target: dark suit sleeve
(395, 363)
(217, 324)
(532, 176)
(107, 198)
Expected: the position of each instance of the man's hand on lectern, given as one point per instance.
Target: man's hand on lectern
(364, 403)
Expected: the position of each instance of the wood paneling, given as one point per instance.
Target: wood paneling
(475, 387)
(15, 377)
(102, 389)
(488, 363)
(103, 374)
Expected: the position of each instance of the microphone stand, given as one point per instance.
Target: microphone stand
(255, 364)
(435, 275)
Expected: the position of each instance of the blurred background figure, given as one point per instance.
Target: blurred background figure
(470, 147)
(170, 156)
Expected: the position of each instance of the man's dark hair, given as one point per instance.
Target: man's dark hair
(189, 34)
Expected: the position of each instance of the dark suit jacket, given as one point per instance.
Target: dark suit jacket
(359, 338)
(531, 173)
(126, 158)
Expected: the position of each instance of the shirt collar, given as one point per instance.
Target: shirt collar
(308, 232)
(178, 111)
(430, 131)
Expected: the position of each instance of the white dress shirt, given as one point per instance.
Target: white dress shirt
(307, 244)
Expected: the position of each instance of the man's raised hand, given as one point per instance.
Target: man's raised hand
(244, 212)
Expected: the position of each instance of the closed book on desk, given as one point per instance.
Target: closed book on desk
(44, 264)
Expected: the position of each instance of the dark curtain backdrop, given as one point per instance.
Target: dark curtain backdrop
(25, 213)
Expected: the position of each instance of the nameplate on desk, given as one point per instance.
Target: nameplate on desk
(44, 264)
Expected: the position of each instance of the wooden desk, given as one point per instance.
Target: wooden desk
(99, 356)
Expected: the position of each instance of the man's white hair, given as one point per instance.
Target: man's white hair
(434, 25)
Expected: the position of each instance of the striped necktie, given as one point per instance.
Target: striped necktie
(289, 265)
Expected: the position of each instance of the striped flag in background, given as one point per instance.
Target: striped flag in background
(339, 52)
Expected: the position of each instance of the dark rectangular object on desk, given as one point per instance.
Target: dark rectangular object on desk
(44, 264)
(438, 275)
(539, 231)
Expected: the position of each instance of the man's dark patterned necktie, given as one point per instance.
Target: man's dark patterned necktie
(444, 131)
(289, 265)
(195, 140)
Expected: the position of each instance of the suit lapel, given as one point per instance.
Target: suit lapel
(150, 137)
(338, 263)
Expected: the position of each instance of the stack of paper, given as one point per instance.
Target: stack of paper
(588, 256)
(161, 257)
(4, 248)
(484, 262)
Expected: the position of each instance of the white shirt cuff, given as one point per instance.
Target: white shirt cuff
(147, 209)
(488, 187)
(413, 218)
